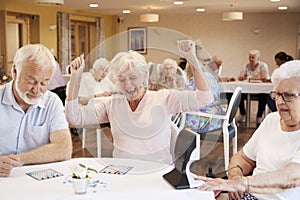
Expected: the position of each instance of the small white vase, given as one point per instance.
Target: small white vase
(80, 185)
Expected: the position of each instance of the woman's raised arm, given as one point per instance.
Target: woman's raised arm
(187, 49)
(77, 67)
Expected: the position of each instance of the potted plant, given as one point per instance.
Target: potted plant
(80, 176)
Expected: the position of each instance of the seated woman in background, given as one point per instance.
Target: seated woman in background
(139, 118)
(255, 70)
(91, 79)
(280, 58)
(167, 75)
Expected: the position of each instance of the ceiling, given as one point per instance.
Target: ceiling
(115, 7)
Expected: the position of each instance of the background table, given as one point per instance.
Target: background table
(144, 181)
(247, 88)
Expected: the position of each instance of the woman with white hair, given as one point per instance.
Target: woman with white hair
(167, 75)
(255, 70)
(91, 79)
(139, 119)
(273, 152)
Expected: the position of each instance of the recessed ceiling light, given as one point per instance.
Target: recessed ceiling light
(126, 11)
(282, 8)
(93, 5)
(275, 0)
(178, 2)
(200, 9)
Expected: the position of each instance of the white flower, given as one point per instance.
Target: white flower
(80, 171)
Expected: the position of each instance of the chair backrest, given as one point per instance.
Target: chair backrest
(234, 103)
(220, 71)
(187, 147)
(174, 134)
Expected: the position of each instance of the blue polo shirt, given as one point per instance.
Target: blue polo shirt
(22, 132)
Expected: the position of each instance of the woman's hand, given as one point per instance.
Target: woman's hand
(103, 94)
(187, 49)
(77, 67)
(235, 187)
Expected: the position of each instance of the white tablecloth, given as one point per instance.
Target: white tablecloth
(247, 87)
(144, 181)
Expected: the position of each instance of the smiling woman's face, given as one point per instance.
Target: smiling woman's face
(289, 111)
(130, 83)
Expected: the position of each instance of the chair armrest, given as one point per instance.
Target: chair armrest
(207, 115)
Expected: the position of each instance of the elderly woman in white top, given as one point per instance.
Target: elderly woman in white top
(255, 70)
(139, 119)
(273, 152)
(171, 75)
(167, 75)
(90, 81)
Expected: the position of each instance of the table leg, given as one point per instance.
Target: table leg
(98, 132)
(248, 108)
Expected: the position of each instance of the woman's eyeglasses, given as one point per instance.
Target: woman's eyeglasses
(287, 97)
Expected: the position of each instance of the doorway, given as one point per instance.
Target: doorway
(20, 29)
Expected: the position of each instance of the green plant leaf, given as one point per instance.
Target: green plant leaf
(82, 165)
(91, 169)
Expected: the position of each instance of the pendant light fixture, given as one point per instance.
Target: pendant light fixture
(50, 2)
(149, 17)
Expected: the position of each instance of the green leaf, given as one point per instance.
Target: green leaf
(91, 169)
(82, 165)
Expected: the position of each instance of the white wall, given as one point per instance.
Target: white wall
(230, 40)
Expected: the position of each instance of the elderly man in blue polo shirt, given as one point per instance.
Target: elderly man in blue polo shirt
(33, 127)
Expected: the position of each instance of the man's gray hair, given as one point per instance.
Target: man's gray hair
(37, 53)
(287, 70)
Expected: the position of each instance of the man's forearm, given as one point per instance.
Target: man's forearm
(59, 150)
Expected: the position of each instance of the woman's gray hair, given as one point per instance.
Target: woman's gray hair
(254, 52)
(130, 59)
(37, 53)
(169, 61)
(287, 70)
(100, 63)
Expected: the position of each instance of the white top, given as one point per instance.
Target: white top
(87, 85)
(105, 85)
(146, 132)
(273, 149)
(57, 80)
(262, 66)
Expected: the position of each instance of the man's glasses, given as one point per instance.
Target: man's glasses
(287, 97)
